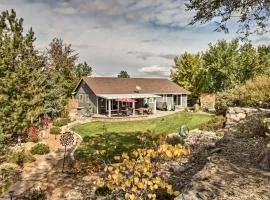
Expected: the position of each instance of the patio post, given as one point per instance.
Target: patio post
(109, 109)
(133, 108)
(97, 105)
(155, 106)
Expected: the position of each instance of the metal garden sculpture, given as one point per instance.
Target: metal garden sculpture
(67, 139)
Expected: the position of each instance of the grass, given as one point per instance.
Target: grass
(163, 125)
(122, 136)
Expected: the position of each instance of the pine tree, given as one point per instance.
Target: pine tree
(21, 82)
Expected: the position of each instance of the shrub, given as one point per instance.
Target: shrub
(55, 131)
(214, 124)
(254, 93)
(138, 173)
(45, 122)
(40, 149)
(33, 134)
(61, 122)
(86, 138)
(19, 157)
(254, 126)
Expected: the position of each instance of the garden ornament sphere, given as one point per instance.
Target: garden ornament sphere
(67, 139)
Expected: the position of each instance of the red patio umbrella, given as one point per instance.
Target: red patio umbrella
(129, 100)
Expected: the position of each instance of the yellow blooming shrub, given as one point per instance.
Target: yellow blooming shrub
(137, 177)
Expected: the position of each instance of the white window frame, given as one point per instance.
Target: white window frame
(164, 97)
(150, 100)
(87, 98)
(81, 97)
(180, 100)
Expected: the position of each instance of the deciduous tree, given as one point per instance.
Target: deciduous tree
(186, 72)
(252, 16)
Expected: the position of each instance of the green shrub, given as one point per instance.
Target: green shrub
(61, 122)
(55, 131)
(86, 138)
(214, 124)
(254, 126)
(40, 149)
(19, 157)
(254, 93)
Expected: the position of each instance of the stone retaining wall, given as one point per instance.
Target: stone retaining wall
(237, 114)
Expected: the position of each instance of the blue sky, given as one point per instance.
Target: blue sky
(139, 36)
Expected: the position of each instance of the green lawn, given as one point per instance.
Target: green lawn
(123, 135)
(164, 125)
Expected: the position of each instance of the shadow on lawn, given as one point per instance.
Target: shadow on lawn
(109, 144)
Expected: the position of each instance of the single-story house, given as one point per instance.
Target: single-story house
(103, 94)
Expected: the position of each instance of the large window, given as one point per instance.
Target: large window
(177, 99)
(81, 97)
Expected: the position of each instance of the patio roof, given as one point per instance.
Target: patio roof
(132, 96)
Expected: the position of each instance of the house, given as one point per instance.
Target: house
(103, 94)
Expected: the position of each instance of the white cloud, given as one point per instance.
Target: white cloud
(156, 70)
(104, 31)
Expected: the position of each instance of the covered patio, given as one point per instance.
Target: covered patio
(126, 104)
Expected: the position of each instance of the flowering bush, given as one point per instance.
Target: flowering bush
(45, 122)
(33, 135)
(136, 176)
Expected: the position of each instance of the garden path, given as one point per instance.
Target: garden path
(37, 174)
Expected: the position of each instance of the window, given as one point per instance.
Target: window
(80, 97)
(151, 100)
(164, 98)
(87, 98)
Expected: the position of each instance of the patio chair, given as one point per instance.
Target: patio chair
(129, 112)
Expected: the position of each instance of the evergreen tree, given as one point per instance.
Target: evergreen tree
(123, 74)
(83, 69)
(21, 79)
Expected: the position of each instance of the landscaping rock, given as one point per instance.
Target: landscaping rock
(190, 195)
(264, 159)
(202, 138)
(241, 116)
(73, 195)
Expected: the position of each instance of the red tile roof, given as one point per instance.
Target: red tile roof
(111, 85)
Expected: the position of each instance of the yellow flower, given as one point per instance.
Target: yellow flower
(116, 157)
(176, 193)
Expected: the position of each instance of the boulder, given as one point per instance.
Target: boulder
(73, 195)
(264, 159)
(190, 195)
(238, 110)
(231, 110)
(235, 118)
(250, 110)
(241, 116)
